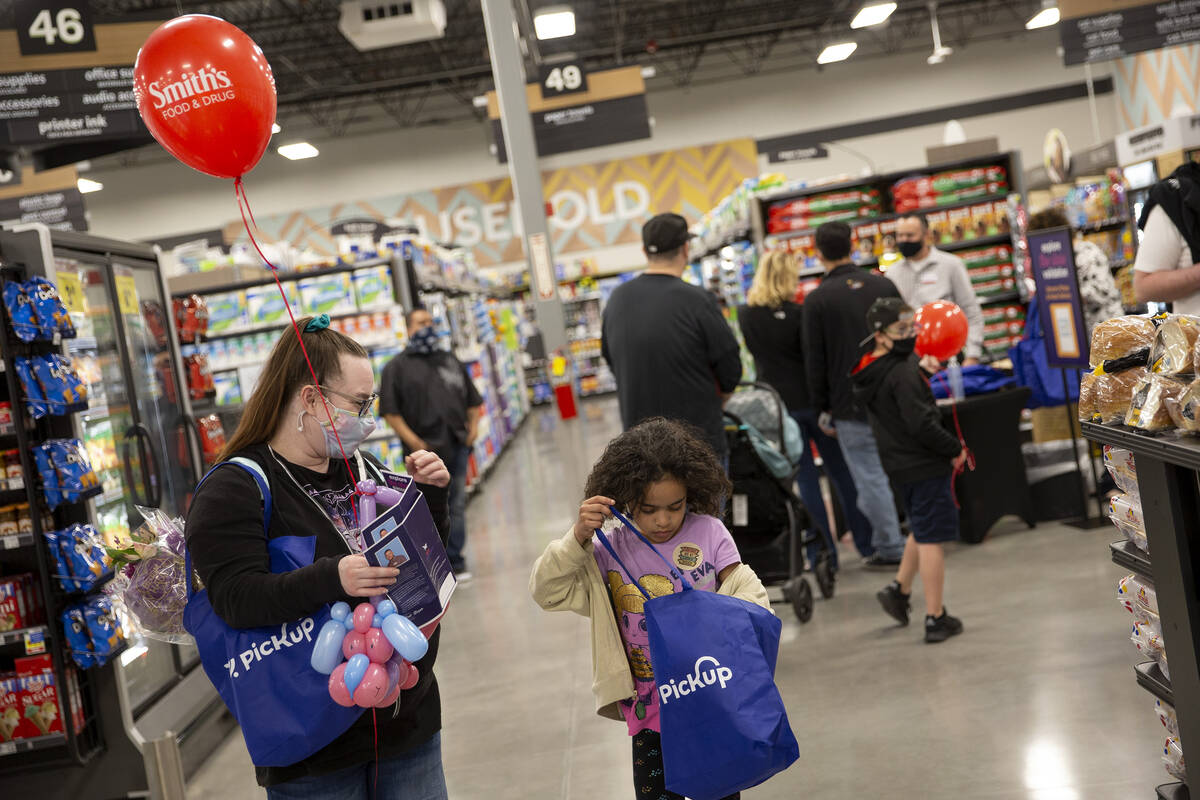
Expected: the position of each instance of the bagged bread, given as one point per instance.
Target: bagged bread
(1087, 397)
(1185, 409)
(1113, 393)
(1120, 336)
(1147, 408)
(1173, 351)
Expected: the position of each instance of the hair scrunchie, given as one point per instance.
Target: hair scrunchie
(318, 323)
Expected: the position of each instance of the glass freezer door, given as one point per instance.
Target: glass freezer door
(83, 283)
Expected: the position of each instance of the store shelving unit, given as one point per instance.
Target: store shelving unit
(1168, 474)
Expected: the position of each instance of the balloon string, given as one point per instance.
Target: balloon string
(969, 464)
(375, 725)
(244, 207)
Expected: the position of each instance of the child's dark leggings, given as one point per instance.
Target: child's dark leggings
(648, 780)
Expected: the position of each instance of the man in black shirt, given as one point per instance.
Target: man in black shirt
(429, 400)
(835, 329)
(670, 349)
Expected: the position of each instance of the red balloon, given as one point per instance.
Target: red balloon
(941, 330)
(206, 92)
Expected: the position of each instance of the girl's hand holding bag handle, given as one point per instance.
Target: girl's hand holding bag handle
(724, 726)
(264, 675)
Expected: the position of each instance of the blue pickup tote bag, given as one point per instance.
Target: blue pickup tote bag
(724, 726)
(263, 674)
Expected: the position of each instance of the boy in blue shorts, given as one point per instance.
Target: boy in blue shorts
(919, 456)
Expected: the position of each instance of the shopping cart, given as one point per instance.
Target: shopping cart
(769, 522)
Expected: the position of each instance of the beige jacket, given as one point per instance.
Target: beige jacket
(567, 578)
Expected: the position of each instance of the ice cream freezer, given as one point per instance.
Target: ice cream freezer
(140, 439)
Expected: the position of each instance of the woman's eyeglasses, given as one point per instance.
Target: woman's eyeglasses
(363, 406)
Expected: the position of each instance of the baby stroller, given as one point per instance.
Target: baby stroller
(769, 523)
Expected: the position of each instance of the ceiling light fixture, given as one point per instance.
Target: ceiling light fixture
(554, 22)
(873, 14)
(837, 52)
(1045, 18)
(299, 150)
(940, 52)
(87, 185)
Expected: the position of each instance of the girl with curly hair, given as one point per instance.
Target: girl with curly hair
(668, 482)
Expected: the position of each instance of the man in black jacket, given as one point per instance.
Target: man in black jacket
(834, 325)
(919, 455)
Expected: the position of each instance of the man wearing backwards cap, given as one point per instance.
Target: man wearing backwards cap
(670, 349)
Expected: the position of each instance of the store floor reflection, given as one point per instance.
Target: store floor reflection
(1036, 701)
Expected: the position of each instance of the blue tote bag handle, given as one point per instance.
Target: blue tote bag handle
(687, 587)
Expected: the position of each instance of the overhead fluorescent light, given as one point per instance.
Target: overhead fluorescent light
(873, 14)
(87, 185)
(837, 52)
(554, 22)
(275, 127)
(1045, 18)
(299, 150)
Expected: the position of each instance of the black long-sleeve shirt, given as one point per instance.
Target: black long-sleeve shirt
(225, 538)
(672, 352)
(775, 337)
(835, 323)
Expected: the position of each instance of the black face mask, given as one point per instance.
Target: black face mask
(904, 347)
(909, 249)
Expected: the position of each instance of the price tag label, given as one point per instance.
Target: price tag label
(35, 643)
(11, 542)
(54, 26)
(70, 288)
(8, 748)
(562, 79)
(127, 296)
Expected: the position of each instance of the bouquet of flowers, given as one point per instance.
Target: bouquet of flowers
(151, 580)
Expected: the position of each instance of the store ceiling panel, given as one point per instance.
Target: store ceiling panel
(328, 87)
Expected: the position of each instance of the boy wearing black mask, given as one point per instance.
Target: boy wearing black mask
(919, 456)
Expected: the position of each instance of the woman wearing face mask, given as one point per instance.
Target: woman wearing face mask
(286, 431)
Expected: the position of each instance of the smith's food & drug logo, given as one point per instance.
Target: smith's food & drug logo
(192, 91)
(699, 679)
(302, 632)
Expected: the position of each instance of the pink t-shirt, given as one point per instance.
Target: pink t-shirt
(702, 548)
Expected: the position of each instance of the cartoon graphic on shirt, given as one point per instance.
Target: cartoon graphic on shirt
(629, 604)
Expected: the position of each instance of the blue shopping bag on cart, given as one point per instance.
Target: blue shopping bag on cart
(264, 675)
(724, 726)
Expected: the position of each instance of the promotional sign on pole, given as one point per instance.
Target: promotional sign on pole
(1052, 263)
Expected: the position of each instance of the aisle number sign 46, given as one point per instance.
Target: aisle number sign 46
(562, 78)
(54, 26)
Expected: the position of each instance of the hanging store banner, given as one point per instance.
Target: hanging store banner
(810, 153)
(595, 205)
(610, 109)
(66, 97)
(49, 197)
(1103, 30)
(1052, 262)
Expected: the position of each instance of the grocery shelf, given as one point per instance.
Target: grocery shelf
(991, 198)
(15, 541)
(1171, 446)
(1104, 225)
(1151, 678)
(36, 743)
(1173, 791)
(216, 337)
(18, 636)
(1007, 297)
(1126, 556)
(968, 244)
(284, 276)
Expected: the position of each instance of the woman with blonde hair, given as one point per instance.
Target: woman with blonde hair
(772, 325)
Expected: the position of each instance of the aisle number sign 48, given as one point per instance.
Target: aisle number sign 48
(54, 26)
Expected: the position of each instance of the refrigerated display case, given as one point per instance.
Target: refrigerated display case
(140, 438)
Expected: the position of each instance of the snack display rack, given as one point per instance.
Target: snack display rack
(1168, 480)
(146, 688)
(979, 223)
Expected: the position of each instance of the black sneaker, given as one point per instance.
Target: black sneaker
(895, 602)
(877, 561)
(939, 629)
